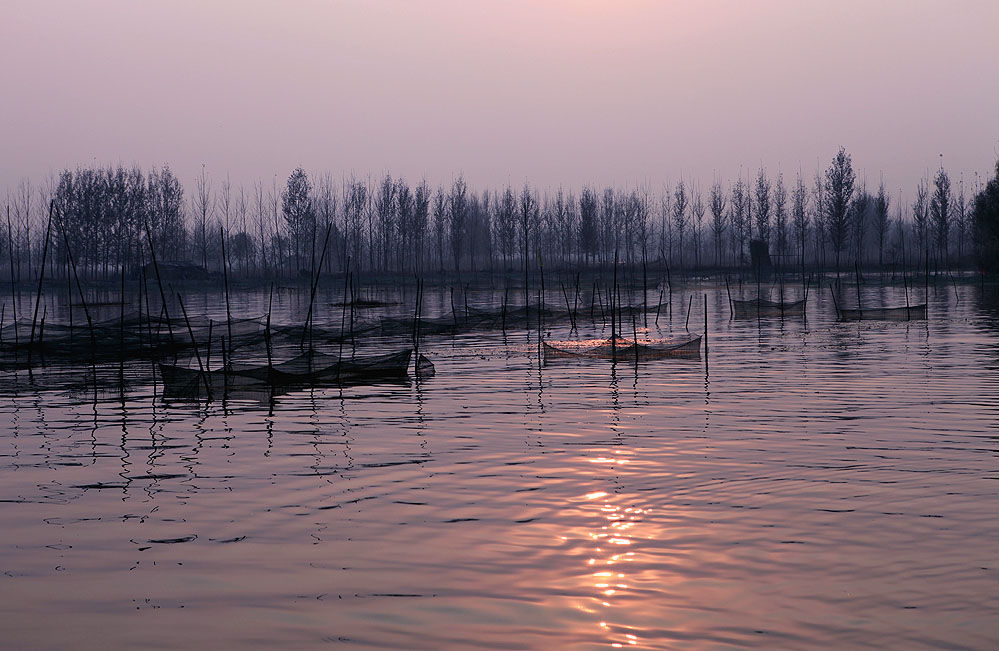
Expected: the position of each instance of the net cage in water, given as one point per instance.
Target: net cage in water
(622, 348)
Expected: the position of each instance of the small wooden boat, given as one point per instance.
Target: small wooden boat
(754, 309)
(309, 369)
(621, 348)
(903, 313)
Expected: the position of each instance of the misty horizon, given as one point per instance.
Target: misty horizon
(559, 94)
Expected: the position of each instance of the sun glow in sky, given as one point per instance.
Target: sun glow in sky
(566, 92)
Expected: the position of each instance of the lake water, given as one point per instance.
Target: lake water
(804, 485)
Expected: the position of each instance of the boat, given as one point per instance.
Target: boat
(903, 313)
(621, 348)
(311, 368)
(758, 309)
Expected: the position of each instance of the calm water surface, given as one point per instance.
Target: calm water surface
(819, 485)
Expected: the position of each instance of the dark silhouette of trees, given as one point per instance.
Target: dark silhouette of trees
(820, 227)
(985, 222)
(697, 211)
(297, 208)
(385, 211)
(405, 207)
(719, 221)
(961, 217)
(882, 202)
(799, 217)
(505, 223)
(921, 217)
(204, 205)
(740, 220)
(780, 217)
(457, 215)
(762, 192)
(421, 221)
(587, 224)
(528, 217)
(386, 225)
(838, 194)
(941, 211)
(860, 209)
(440, 225)
(165, 198)
(680, 201)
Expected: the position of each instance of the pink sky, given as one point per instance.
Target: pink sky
(570, 92)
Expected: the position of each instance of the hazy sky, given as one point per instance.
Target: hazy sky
(570, 92)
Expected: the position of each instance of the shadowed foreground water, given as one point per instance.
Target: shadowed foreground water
(822, 485)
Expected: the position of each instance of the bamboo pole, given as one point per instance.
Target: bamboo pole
(197, 354)
(41, 279)
(13, 285)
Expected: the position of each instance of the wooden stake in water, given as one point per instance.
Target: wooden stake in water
(159, 282)
(13, 285)
(41, 278)
(705, 326)
(506, 294)
(86, 310)
(659, 305)
(225, 276)
(121, 334)
(612, 311)
(343, 315)
(572, 318)
(645, 290)
(575, 302)
(194, 343)
(731, 310)
(267, 329)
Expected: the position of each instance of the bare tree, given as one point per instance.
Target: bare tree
(260, 212)
(440, 225)
(763, 207)
(860, 209)
(819, 220)
(799, 217)
(385, 207)
(298, 211)
(680, 202)
(839, 188)
(666, 224)
(697, 210)
(740, 220)
(588, 223)
(204, 206)
(780, 217)
(421, 219)
(921, 216)
(961, 219)
(882, 203)
(941, 210)
(457, 215)
(718, 221)
(529, 212)
(324, 201)
(405, 217)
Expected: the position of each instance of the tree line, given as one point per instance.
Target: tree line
(108, 218)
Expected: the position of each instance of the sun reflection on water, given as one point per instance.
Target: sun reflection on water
(611, 538)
